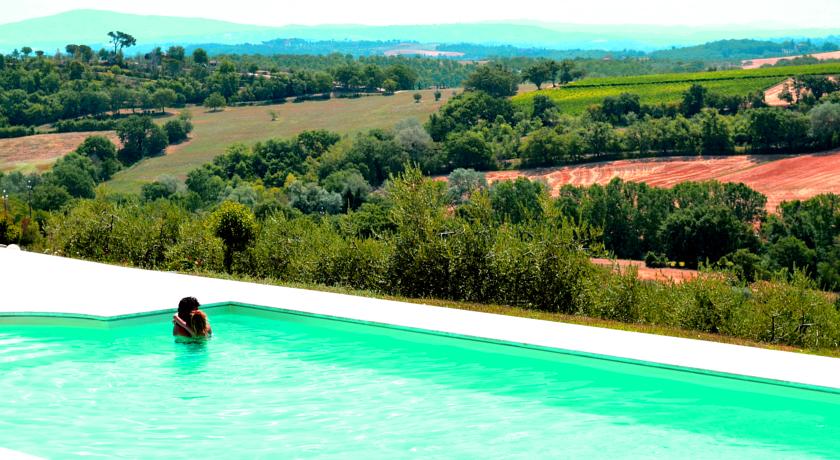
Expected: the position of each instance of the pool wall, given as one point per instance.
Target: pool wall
(46, 290)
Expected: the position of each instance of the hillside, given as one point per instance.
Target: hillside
(780, 178)
(90, 27)
(737, 50)
(665, 88)
(214, 132)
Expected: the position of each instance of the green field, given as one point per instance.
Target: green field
(782, 72)
(215, 131)
(575, 97)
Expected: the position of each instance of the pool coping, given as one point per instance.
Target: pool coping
(802, 371)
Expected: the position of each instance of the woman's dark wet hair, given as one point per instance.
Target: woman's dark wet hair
(186, 306)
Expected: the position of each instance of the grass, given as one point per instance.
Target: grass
(576, 99)
(38, 153)
(785, 71)
(665, 88)
(216, 131)
(533, 314)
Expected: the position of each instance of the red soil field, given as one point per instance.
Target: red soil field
(756, 63)
(649, 274)
(771, 95)
(779, 177)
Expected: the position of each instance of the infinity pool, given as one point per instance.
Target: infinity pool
(287, 386)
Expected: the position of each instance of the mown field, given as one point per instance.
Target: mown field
(39, 152)
(214, 132)
(575, 97)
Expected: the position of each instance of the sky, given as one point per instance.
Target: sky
(778, 13)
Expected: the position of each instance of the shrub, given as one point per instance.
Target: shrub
(85, 124)
(197, 249)
(356, 263)
(15, 131)
(234, 224)
(791, 312)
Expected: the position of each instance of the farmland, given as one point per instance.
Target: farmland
(778, 177)
(39, 152)
(789, 71)
(216, 131)
(756, 63)
(576, 99)
(666, 88)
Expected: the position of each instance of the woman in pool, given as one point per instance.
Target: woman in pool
(190, 321)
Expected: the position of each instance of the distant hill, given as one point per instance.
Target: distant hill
(91, 26)
(737, 50)
(461, 51)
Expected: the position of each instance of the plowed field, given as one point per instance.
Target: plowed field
(779, 177)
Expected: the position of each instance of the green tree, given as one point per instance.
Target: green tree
(518, 201)
(235, 225)
(215, 101)
(76, 174)
(791, 253)
(540, 72)
(103, 153)
(417, 97)
(310, 198)
(163, 98)
(390, 85)
(404, 75)
(716, 133)
(351, 185)
(494, 80)
(121, 40)
(466, 110)
(200, 56)
(469, 150)
(568, 72)
(204, 184)
(544, 147)
(49, 196)
(825, 124)
(703, 233)
(463, 183)
(544, 108)
(694, 99)
(140, 138)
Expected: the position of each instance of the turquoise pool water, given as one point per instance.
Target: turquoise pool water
(284, 386)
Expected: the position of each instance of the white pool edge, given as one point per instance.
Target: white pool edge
(36, 284)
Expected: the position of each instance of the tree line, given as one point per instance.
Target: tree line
(424, 238)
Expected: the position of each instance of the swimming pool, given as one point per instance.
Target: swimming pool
(273, 385)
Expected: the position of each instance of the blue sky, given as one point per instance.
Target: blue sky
(778, 13)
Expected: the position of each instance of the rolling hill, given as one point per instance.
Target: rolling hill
(91, 26)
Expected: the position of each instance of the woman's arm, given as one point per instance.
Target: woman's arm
(179, 322)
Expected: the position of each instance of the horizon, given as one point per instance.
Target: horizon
(824, 14)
